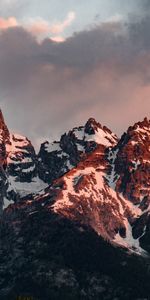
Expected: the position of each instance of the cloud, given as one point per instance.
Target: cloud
(145, 4)
(46, 88)
(58, 39)
(8, 2)
(38, 27)
(59, 27)
(14, 8)
(115, 18)
(41, 28)
(8, 23)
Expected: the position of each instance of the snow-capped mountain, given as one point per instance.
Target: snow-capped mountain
(28, 173)
(100, 190)
(21, 168)
(55, 159)
(89, 186)
(88, 176)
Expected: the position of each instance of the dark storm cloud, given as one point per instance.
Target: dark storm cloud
(145, 4)
(49, 87)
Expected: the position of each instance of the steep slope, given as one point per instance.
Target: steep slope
(93, 178)
(56, 158)
(132, 163)
(84, 195)
(4, 138)
(21, 167)
(109, 189)
(62, 241)
(131, 168)
(129, 175)
(18, 167)
(26, 173)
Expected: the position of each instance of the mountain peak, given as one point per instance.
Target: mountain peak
(4, 139)
(145, 123)
(91, 126)
(3, 127)
(143, 126)
(101, 134)
(85, 185)
(1, 115)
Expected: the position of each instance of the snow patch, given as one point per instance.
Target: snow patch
(55, 146)
(6, 202)
(25, 188)
(129, 242)
(112, 178)
(101, 137)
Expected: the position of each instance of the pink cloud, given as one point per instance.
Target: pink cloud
(38, 27)
(58, 39)
(41, 28)
(7, 23)
(59, 27)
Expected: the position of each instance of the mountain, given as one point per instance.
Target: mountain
(28, 173)
(59, 157)
(75, 217)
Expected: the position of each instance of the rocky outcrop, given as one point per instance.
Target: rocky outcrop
(57, 158)
(21, 159)
(18, 167)
(27, 173)
(132, 163)
(4, 139)
(72, 203)
(88, 176)
(21, 168)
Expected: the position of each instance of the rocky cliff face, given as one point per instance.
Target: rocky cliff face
(88, 176)
(18, 167)
(55, 159)
(22, 168)
(86, 189)
(4, 139)
(27, 173)
(108, 187)
(132, 163)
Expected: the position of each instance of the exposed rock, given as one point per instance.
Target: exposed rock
(132, 163)
(56, 158)
(74, 212)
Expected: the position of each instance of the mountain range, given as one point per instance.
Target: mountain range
(75, 217)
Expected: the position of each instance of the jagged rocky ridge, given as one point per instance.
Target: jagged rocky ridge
(57, 158)
(88, 178)
(28, 173)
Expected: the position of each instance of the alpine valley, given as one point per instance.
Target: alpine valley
(75, 218)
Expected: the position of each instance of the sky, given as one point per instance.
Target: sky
(62, 62)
